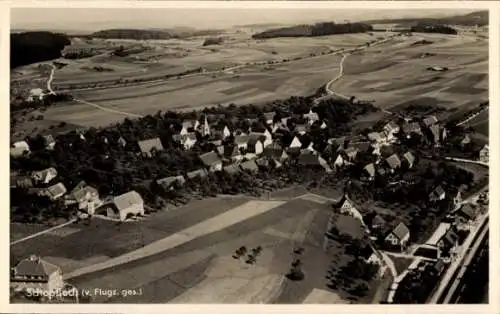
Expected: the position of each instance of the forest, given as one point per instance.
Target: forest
(318, 29)
(32, 47)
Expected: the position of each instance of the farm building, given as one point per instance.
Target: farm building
(87, 198)
(124, 205)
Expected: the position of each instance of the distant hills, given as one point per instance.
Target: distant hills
(480, 18)
(318, 29)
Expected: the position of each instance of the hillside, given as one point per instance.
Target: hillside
(47, 46)
(146, 34)
(480, 18)
(318, 29)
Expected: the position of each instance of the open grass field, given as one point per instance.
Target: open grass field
(202, 268)
(78, 245)
(396, 73)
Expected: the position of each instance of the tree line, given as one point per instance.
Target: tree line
(318, 29)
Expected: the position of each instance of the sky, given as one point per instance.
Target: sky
(92, 19)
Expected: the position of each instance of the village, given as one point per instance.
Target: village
(274, 141)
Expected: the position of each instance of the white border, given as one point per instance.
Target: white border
(494, 64)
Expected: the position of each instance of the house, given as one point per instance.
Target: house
(341, 160)
(393, 162)
(391, 128)
(232, 152)
(284, 121)
(457, 199)
(430, 120)
(231, 169)
(301, 129)
(296, 143)
(465, 141)
(484, 154)
(35, 273)
(122, 142)
(323, 125)
(311, 117)
(200, 173)
(399, 236)
(87, 198)
(377, 223)
(186, 140)
(438, 194)
(49, 141)
(448, 242)
(44, 176)
(269, 117)
(250, 166)
(170, 182)
(376, 137)
(435, 134)
(349, 226)
(211, 161)
(241, 141)
(189, 126)
(412, 128)
(19, 149)
(466, 213)
(53, 192)
(309, 159)
(370, 170)
(369, 255)
(150, 146)
(130, 203)
(351, 153)
(274, 151)
(255, 145)
(278, 126)
(23, 182)
(349, 208)
(409, 158)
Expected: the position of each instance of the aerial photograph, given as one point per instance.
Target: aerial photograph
(249, 156)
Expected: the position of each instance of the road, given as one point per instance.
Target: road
(457, 262)
(471, 253)
(472, 117)
(51, 77)
(43, 232)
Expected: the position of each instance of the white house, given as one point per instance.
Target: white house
(484, 154)
(44, 176)
(188, 140)
(349, 208)
(311, 117)
(87, 198)
(295, 143)
(399, 236)
(35, 273)
(130, 203)
(438, 194)
(19, 149)
(49, 141)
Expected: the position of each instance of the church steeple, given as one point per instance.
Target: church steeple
(206, 127)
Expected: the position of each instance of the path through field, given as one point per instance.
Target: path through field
(217, 223)
(42, 232)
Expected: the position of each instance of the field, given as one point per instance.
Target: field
(397, 73)
(391, 74)
(189, 258)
